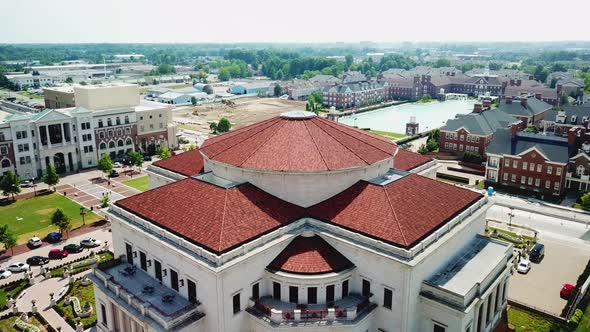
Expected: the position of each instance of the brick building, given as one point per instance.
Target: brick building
(355, 94)
(530, 110)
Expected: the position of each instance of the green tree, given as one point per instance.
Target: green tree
(431, 145)
(8, 238)
(278, 90)
(51, 178)
(164, 152)
(135, 158)
(349, 60)
(194, 100)
(224, 125)
(423, 149)
(495, 66)
(10, 184)
(442, 63)
(105, 164)
(69, 80)
(585, 199)
(61, 221)
(203, 76)
(104, 201)
(223, 74)
(213, 127)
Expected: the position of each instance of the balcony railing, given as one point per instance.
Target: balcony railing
(346, 309)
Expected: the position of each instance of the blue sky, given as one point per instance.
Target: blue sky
(29, 21)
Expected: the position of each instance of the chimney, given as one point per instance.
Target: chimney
(539, 95)
(518, 82)
(508, 100)
(523, 101)
(514, 128)
(572, 136)
(477, 108)
(487, 103)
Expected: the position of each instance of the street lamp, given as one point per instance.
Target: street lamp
(83, 214)
(34, 187)
(510, 215)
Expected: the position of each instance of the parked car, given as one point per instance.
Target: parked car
(57, 254)
(27, 184)
(37, 260)
(90, 242)
(73, 248)
(566, 291)
(35, 242)
(537, 253)
(5, 274)
(524, 266)
(117, 164)
(53, 237)
(114, 174)
(17, 267)
(147, 158)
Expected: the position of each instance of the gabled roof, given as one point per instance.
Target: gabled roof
(216, 218)
(534, 107)
(400, 213)
(293, 143)
(553, 148)
(188, 163)
(309, 255)
(482, 124)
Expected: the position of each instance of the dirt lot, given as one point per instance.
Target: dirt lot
(246, 111)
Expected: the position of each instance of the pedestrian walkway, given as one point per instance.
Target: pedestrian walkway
(89, 192)
(53, 318)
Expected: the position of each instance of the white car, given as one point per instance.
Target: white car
(117, 164)
(90, 242)
(35, 242)
(5, 274)
(524, 266)
(18, 267)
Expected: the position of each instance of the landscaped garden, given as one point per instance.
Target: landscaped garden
(518, 240)
(11, 290)
(30, 217)
(85, 301)
(141, 183)
(8, 324)
(82, 265)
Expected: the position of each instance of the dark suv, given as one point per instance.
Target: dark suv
(537, 253)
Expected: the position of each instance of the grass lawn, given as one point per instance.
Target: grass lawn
(388, 134)
(11, 290)
(514, 235)
(36, 212)
(180, 86)
(84, 294)
(31, 95)
(8, 324)
(141, 184)
(525, 321)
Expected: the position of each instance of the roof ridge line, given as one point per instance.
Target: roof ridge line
(346, 147)
(316, 145)
(395, 216)
(376, 147)
(261, 145)
(223, 218)
(249, 129)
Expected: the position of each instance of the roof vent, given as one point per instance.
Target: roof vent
(298, 115)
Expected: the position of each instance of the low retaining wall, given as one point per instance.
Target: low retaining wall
(538, 311)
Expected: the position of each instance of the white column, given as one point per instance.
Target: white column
(47, 135)
(110, 316)
(63, 134)
(484, 313)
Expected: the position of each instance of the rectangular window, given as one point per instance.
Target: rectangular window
(173, 280)
(330, 293)
(439, 328)
(522, 179)
(537, 182)
(387, 298)
(129, 253)
(345, 288)
(524, 165)
(539, 168)
(158, 270)
(507, 162)
(549, 169)
(515, 164)
(236, 303)
(312, 295)
(142, 261)
(276, 290)
(532, 167)
(556, 186)
(547, 184)
(366, 288)
(192, 291)
(505, 176)
(293, 294)
(530, 181)
(103, 314)
(256, 291)
(558, 171)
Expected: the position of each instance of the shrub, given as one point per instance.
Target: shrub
(472, 157)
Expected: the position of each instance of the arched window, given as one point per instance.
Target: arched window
(111, 144)
(129, 141)
(5, 163)
(103, 146)
(120, 142)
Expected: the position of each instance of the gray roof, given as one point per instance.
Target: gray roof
(534, 107)
(554, 148)
(579, 111)
(482, 124)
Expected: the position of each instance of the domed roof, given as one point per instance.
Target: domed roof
(298, 141)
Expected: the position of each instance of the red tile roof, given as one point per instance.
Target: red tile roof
(309, 255)
(188, 163)
(406, 160)
(400, 213)
(216, 218)
(290, 144)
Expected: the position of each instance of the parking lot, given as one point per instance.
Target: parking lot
(540, 287)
